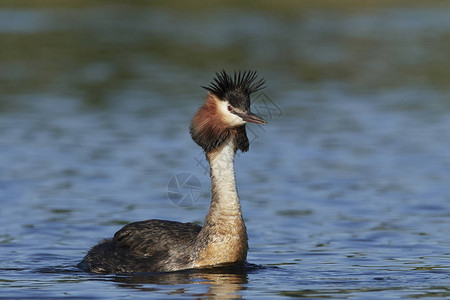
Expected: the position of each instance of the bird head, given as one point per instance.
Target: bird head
(226, 111)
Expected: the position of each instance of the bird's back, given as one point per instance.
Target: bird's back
(146, 246)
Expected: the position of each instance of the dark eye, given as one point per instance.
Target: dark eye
(230, 108)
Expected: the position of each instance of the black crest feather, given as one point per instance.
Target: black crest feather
(242, 82)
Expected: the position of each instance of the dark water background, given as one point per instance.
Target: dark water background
(345, 193)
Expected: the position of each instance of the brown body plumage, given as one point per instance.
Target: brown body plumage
(155, 245)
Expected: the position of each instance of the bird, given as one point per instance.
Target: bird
(219, 128)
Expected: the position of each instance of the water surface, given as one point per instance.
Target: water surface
(345, 192)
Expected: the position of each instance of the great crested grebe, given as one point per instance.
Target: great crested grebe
(160, 246)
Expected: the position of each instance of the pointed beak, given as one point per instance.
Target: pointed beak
(250, 117)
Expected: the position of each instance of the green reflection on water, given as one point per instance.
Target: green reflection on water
(93, 49)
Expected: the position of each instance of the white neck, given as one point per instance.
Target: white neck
(223, 238)
(223, 181)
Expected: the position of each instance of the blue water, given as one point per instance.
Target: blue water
(345, 192)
